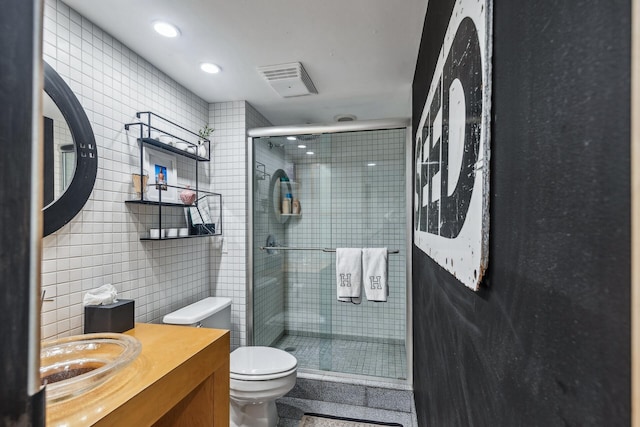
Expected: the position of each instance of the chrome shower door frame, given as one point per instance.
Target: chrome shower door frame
(313, 129)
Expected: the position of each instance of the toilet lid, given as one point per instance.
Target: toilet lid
(261, 361)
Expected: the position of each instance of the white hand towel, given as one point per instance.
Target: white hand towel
(349, 274)
(374, 264)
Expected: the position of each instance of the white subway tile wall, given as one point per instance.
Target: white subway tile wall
(347, 203)
(229, 165)
(369, 210)
(102, 244)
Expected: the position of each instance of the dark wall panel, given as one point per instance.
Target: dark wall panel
(21, 404)
(547, 339)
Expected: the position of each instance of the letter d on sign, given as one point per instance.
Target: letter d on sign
(452, 149)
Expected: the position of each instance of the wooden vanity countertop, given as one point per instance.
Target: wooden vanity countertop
(178, 367)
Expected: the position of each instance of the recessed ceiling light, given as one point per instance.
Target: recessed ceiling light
(344, 118)
(302, 146)
(210, 68)
(291, 138)
(311, 153)
(371, 164)
(166, 29)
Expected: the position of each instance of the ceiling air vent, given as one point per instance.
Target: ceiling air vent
(288, 80)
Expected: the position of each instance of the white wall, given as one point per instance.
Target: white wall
(101, 244)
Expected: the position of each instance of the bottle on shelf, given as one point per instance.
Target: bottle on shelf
(286, 204)
(295, 207)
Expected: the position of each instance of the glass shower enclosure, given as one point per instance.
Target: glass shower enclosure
(314, 190)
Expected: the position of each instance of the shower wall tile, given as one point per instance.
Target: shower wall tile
(269, 292)
(229, 271)
(269, 275)
(229, 177)
(347, 203)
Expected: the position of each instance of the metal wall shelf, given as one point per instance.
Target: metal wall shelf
(172, 149)
(154, 203)
(149, 132)
(182, 146)
(146, 239)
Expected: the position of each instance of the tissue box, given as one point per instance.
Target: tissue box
(116, 317)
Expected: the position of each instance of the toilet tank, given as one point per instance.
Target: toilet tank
(212, 312)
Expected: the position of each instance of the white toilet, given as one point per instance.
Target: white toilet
(259, 375)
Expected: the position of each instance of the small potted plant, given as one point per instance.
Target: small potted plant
(204, 135)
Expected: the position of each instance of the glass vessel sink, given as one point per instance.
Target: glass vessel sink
(74, 365)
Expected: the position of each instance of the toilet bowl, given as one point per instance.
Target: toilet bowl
(258, 375)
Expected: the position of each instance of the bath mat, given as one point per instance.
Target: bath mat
(317, 420)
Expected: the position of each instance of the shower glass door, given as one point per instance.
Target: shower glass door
(350, 188)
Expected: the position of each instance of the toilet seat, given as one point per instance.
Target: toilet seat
(261, 363)
(241, 377)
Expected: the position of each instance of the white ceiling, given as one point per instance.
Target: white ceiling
(360, 54)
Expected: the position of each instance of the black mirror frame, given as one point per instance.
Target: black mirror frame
(67, 206)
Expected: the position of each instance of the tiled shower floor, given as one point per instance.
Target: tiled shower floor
(347, 356)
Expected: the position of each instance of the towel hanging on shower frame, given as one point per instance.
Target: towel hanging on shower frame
(288, 248)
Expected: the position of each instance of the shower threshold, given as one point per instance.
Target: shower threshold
(366, 358)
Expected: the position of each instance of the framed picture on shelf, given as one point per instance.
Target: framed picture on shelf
(163, 177)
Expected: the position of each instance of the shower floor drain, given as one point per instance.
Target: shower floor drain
(290, 349)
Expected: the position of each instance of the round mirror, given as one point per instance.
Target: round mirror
(71, 158)
(277, 189)
(59, 152)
